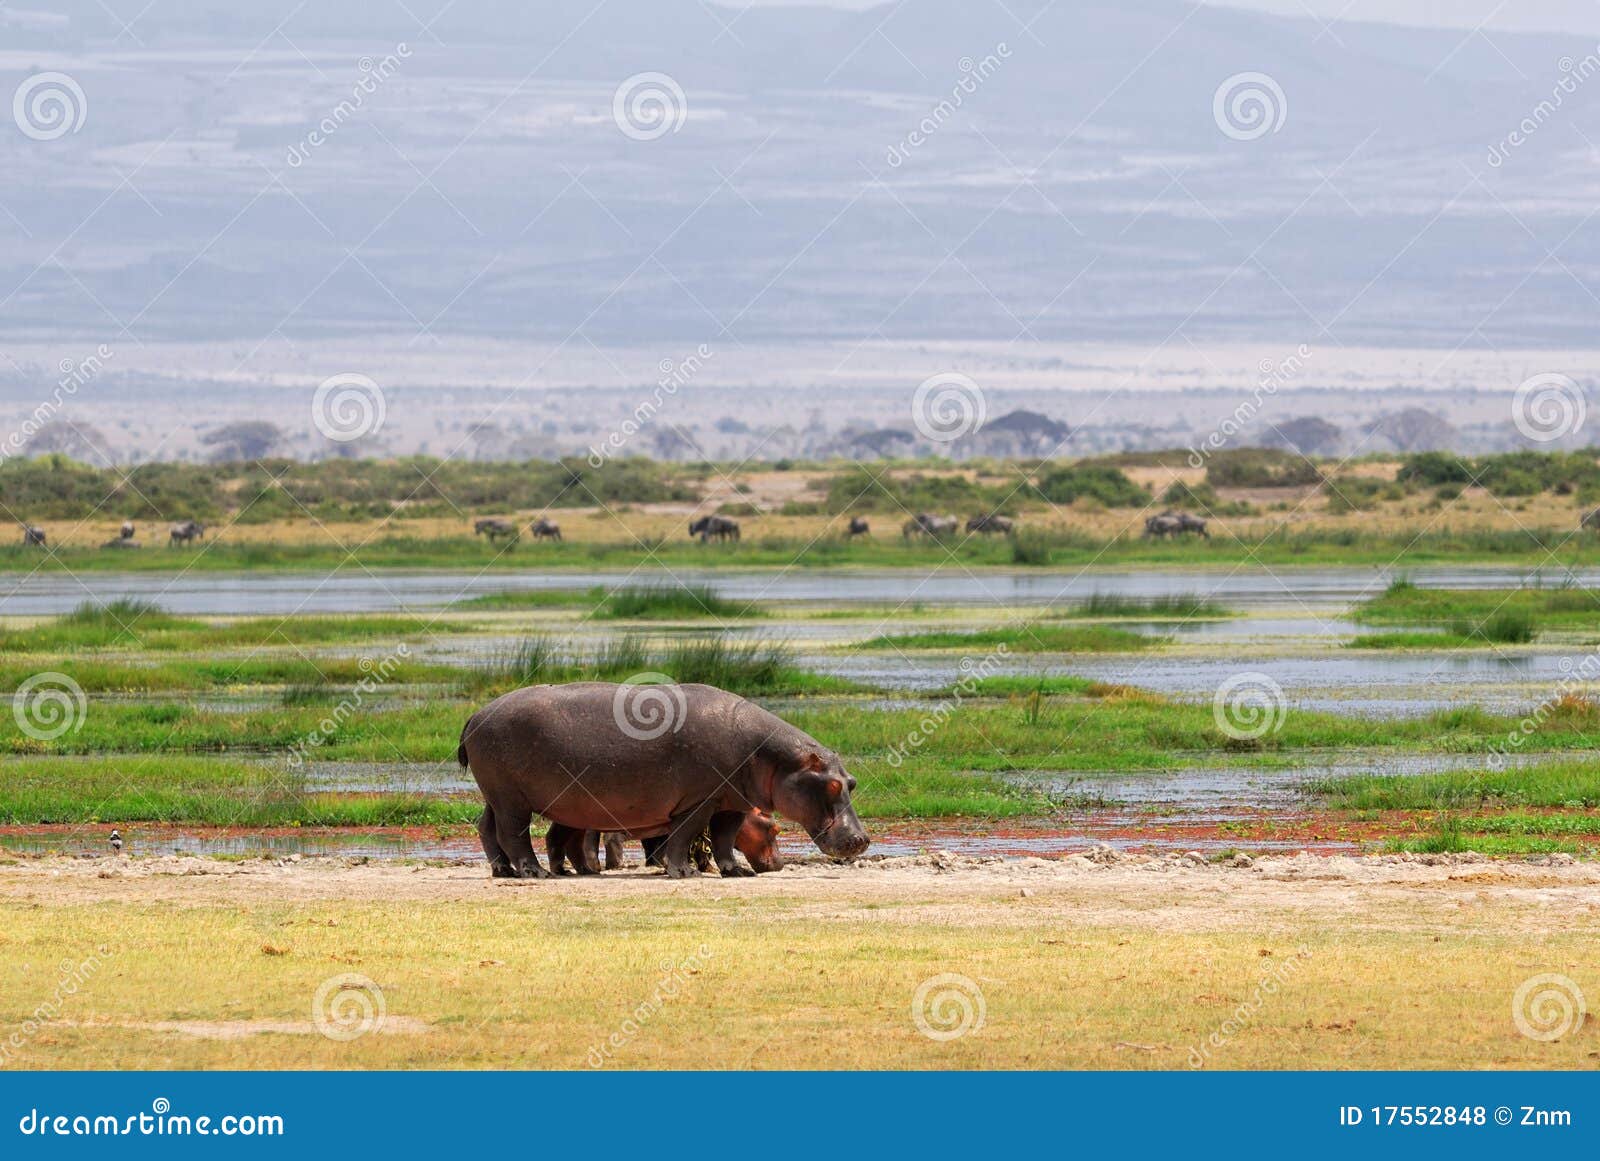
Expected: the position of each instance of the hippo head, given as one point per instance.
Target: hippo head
(757, 840)
(815, 792)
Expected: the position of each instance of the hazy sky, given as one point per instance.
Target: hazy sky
(1515, 15)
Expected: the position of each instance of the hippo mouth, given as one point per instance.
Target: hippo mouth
(840, 841)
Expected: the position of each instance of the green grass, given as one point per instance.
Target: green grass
(327, 676)
(589, 598)
(1033, 637)
(1506, 611)
(139, 625)
(1174, 606)
(1564, 783)
(747, 668)
(670, 602)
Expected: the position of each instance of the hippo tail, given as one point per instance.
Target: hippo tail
(461, 749)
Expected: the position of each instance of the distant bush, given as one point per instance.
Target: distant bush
(1434, 468)
(863, 490)
(1256, 467)
(1099, 482)
(1203, 496)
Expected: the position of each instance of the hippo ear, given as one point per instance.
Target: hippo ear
(813, 761)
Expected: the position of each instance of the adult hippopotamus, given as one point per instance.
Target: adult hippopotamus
(643, 759)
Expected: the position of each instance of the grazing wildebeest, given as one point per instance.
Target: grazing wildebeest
(757, 840)
(494, 528)
(185, 531)
(925, 523)
(127, 530)
(33, 536)
(1000, 524)
(1175, 524)
(648, 761)
(714, 528)
(544, 529)
(858, 527)
(1592, 520)
(121, 542)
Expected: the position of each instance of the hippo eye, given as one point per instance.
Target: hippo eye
(835, 788)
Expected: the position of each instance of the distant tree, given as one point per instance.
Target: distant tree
(1309, 435)
(252, 439)
(77, 441)
(1415, 429)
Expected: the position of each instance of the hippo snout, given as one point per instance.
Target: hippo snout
(843, 839)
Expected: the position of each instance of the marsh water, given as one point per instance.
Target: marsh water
(1306, 590)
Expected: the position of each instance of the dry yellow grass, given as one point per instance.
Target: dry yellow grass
(1383, 965)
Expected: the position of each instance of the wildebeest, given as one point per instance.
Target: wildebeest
(121, 542)
(1175, 524)
(714, 528)
(925, 523)
(494, 528)
(127, 530)
(544, 529)
(185, 531)
(1592, 520)
(34, 536)
(858, 527)
(648, 761)
(1003, 525)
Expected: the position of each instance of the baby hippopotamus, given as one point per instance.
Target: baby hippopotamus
(756, 839)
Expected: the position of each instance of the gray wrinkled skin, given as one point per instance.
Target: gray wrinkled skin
(581, 755)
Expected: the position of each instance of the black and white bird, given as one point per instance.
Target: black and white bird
(116, 842)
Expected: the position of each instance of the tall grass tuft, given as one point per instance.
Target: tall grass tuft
(1168, 605)
(741, 667)
(664, 602)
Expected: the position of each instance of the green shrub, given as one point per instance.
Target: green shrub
(1099, 482)
(1256, 467)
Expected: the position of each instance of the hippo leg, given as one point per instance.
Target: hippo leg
(653, 850)
(584, 850)
(613, 851)
(499, 865)
(511, 831)
(557, 844)
(682, 831)
(725, 826)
